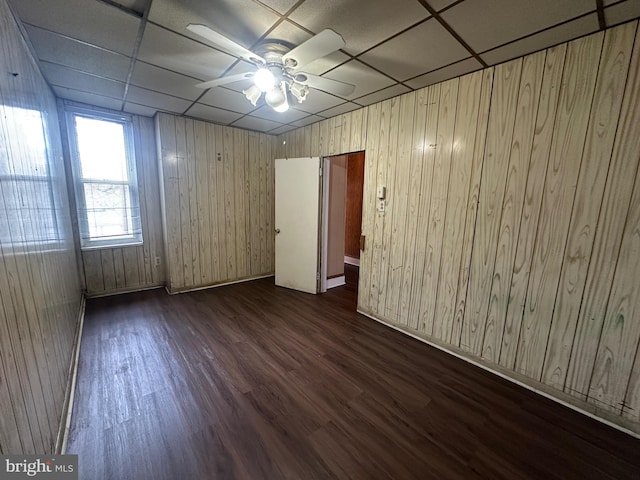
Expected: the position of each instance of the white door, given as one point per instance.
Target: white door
(297, 198)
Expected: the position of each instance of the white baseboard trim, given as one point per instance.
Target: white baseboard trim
(336, 282)
(67, 409)
(532, 388)
(352, 261)
(221, 284)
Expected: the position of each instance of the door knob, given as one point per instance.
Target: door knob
(277, 231)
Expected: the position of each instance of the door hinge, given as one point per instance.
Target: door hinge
(317, 275)
(362, 242)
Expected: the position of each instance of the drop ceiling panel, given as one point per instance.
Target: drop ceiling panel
(366, 79)
(90, 21)
(157, 100)
(243, 21)
(445, 73)
(383, 94)
(622, 12)
(259, 124)
(485, 24)
(65, 51)
(303, 122)
(169, 50)
(362, 23)
(440, 4)
(289, 116)
(66, 77)
(438, 48)
(339, 109)
(215, 115)
(548, 38)
(282, 129)
(281, 6)
(289, 32)
(228, 99)
(164, 81)
(86, 97)
(136, 109)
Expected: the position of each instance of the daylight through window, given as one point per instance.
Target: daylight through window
(105, 180)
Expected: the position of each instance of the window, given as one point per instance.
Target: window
(27, 206)
(105, 179)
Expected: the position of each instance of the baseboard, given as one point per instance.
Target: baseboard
(573, 403)
(335, 282)
(352, 261)
(120, 291)
(67, 409)
(214, 285)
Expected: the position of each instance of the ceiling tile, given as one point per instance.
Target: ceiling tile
(289, 32)
(339, 110)
(326, 63)
(164, 81)
(157, 100)
(400, 58)
(66, 77)
(259, 124)
(318, 100)
(281, 6)
(365, 78)
(303, 122)
(445, 73)
(65, 51)
(485, 24)
(282, 129)
(115, 30)
(622, 12)
(211, 114)
(269, 113)
(440, 4)
(383, 94)
(548, 38)
(227, 99)
(136, 109)
(181, 54)
(362, 23)
(243, 21)
(86, 97)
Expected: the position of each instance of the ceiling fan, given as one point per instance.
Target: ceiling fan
(278, 71)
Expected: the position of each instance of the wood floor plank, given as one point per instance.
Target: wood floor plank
(252, 381)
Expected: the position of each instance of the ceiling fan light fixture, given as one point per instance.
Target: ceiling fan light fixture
(264, 79)
(299, 91)
(276, 98)
(253, 94)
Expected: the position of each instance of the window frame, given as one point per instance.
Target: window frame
(23, 241)
(137, 238)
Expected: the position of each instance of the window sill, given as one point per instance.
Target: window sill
(111, 246)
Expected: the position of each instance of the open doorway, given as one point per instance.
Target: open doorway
(342, 219)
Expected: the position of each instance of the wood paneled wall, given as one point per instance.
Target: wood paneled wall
(512, 223)
(217, 199)
(40, 294)
(115, 270)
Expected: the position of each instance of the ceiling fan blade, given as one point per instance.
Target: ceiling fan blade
(225, 43)
(324, 43)
(225, 80)
(325, 84)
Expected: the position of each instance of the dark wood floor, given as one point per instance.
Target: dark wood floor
(251, 381)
